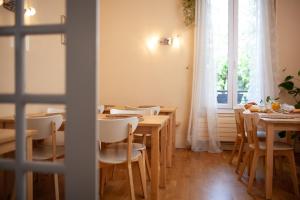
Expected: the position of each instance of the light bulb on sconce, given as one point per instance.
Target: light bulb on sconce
(30, 11)
(152, 43)
(1, 2)
(176, 42)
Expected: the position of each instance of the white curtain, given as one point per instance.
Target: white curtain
(263, 80)
(204, 92)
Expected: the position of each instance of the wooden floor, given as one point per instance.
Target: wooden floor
(194, 176)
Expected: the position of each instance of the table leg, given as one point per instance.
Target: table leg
(29, 174)
(174, 133)
(169, 143)
(155, 166)
(269, 160)
(164, 156)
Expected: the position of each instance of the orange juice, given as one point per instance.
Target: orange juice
(275, 106)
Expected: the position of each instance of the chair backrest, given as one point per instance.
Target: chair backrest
(101, 109)
(44, 125)
(251, 128)
(116, 130)
(154, 109)
(130, 111)
(239, 120)
(55, 110)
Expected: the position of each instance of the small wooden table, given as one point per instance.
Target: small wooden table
(171, 112)
(8, 144)
(272, 125)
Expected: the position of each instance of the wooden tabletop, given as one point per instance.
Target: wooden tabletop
(8, 135)
(158, 120)
(162, 108)
(279, 118)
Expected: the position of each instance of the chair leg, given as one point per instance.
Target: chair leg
(147, 165)
(56, 187)
(132, 194)
(143, 175)
(234, 150)
(292, 162)
(239, 158)
(253, 170)
(244, 164)
(250, 162)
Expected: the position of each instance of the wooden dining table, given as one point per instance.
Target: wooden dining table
(157, 126)
(8, 144)
(291, 122)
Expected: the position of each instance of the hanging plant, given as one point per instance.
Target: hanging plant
(188, 7)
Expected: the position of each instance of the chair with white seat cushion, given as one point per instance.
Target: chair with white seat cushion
(60, 136)
(113, 131)
(258, 149)
(55, 110)
(139, 146)
(154, 109)
(46, 128)
(101, 109)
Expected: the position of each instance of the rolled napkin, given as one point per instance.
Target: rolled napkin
(287, 107)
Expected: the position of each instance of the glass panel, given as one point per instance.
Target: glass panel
(7, 116)
(7, 62)
(220, 47)
(246, 47)
(43, 139)
(7, 16)
(7, 132)
(44, 11)
(45, 64)
(7, 181)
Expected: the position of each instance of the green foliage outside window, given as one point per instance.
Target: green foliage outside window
(243, 74)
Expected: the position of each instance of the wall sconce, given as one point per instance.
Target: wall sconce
(1, 2)
(153, 42)
(30, 11)
(171, 41)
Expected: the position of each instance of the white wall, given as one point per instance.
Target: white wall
(288, 29)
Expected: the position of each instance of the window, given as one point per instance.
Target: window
(234, 39)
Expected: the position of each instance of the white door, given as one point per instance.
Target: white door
(80, 98)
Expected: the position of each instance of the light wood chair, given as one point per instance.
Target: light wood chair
(240, 139)
(101, 109)
(258, 149)
(55, 110)
(114, 131)
(42, 151)
(139, 146)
